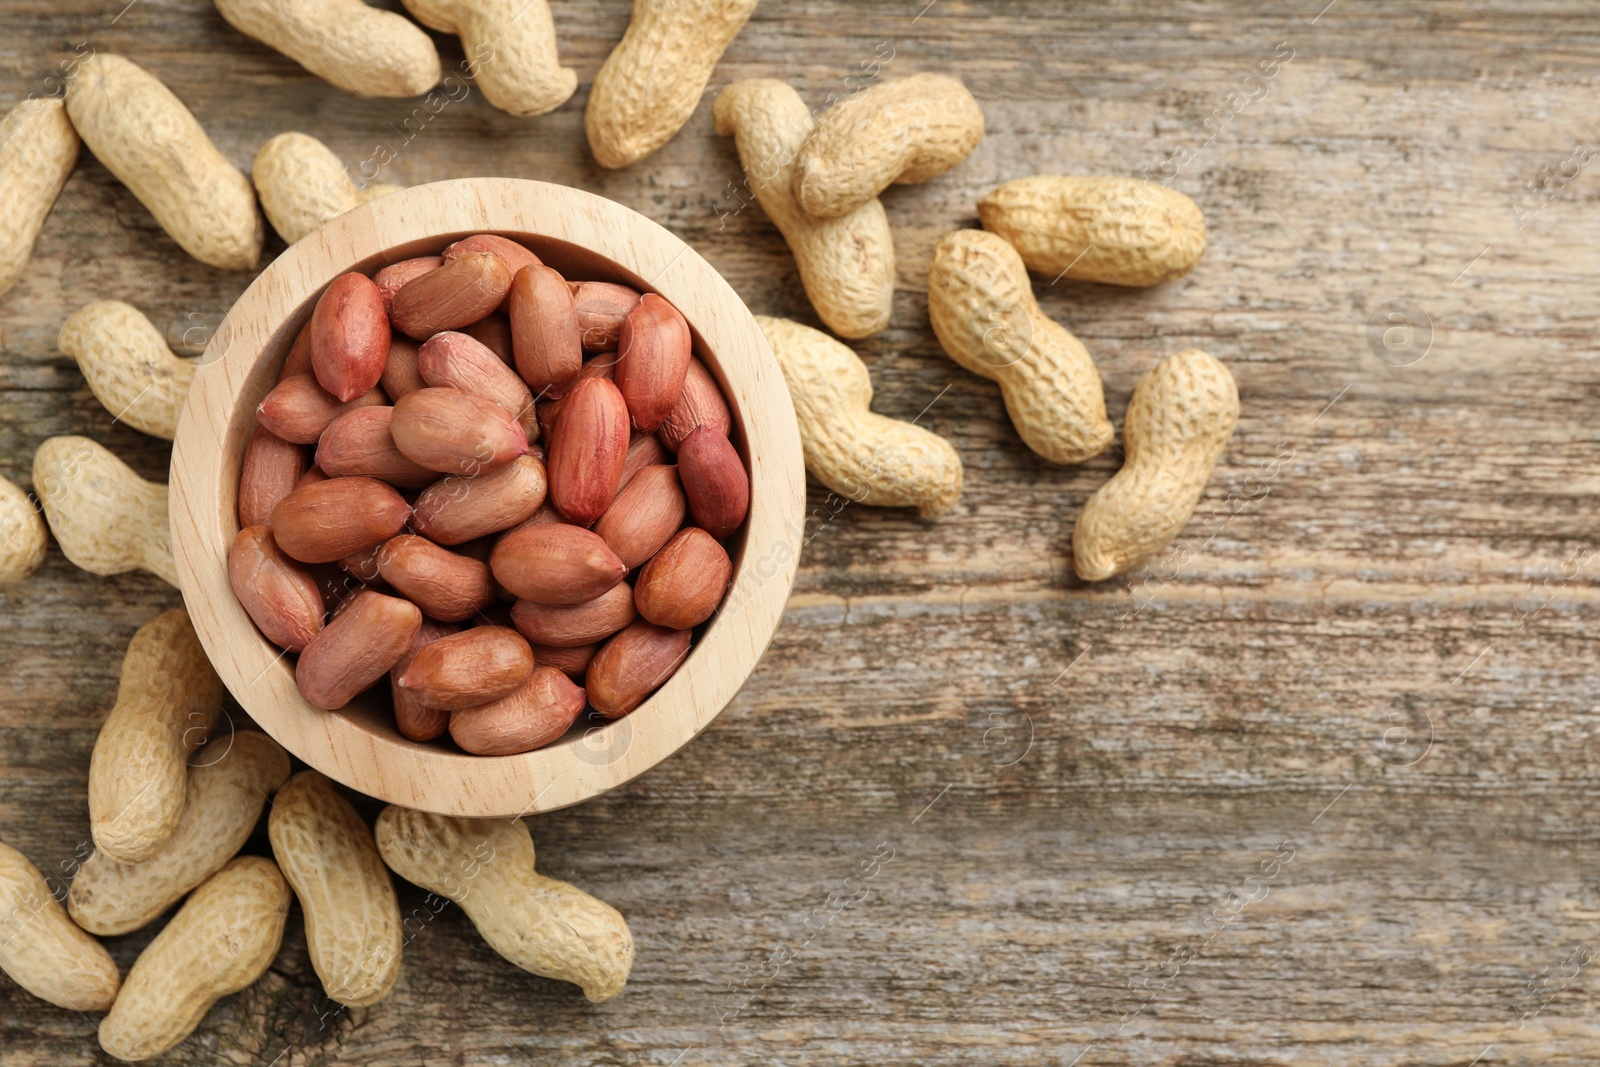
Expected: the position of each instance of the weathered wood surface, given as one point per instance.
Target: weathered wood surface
(1369, 674)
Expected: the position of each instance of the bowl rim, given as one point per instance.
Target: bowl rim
(351, 747)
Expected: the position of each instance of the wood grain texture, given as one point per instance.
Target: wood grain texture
(1374, 643)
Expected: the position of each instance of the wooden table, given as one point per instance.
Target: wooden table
(1317, 791)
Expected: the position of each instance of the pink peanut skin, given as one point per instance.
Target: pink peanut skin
(356, 649)
(391, 279)
(715, 481)
(358, 443)
(653, 356)
(700, 404)
(455, 432)
(533, 715)
(601, 307)
(280, 596)
(588, 448)
(412, 718)
(272, 466)
(545, 338)
(298, 409)
(349, 337)
(459, 361)
(511, 255)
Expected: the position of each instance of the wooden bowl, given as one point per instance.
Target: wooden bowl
(585, 237)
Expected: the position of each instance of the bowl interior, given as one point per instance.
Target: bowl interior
(585, 238)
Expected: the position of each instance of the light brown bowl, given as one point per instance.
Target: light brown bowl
(585, 237)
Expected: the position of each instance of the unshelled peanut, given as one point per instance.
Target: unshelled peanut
(231, 780)
(302, 184)
(859, 454)
(846, 264)
(894, 133)
(540, 924)
(1180, 419)
(152, 143)
(42, 949)
(106, 518)
(348, 44)
(511, 45)
(167, 703)
(222, 939)
(650, 83)
(328, 855)
(1120, 231)
(22, 534)
(128, 365)
(38, 148)
(985, 315)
